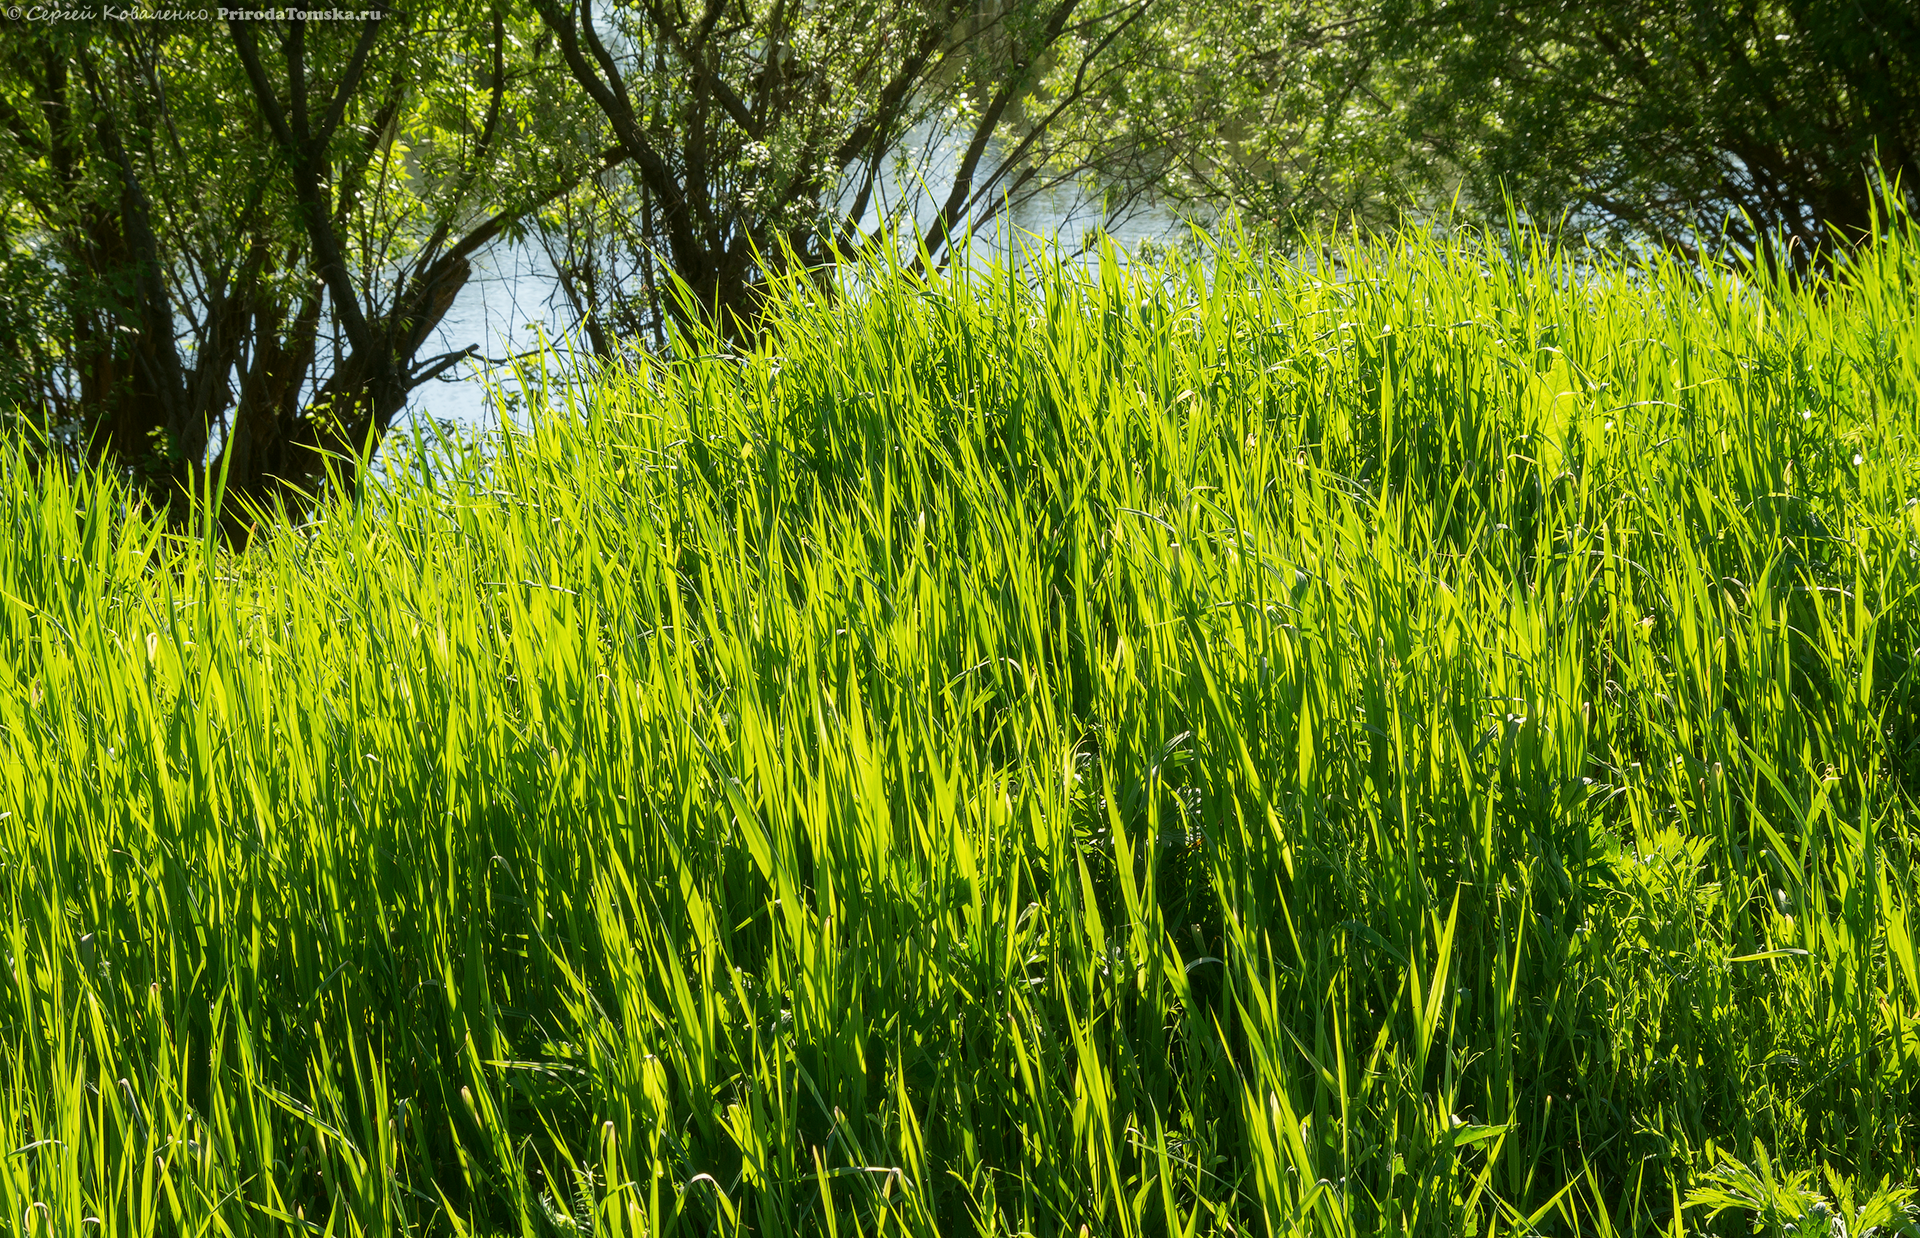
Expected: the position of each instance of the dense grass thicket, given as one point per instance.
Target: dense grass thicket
(1237, 751)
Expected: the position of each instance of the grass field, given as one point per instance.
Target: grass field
(1239, 753)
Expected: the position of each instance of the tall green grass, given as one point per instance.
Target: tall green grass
(1220, 751)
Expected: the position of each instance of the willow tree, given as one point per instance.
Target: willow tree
(1682, 124)
(763, 135)
(242, 236)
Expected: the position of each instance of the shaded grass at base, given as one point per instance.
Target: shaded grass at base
(1189, 753)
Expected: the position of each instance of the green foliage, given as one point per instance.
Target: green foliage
(1184, 752)
(1273, 114)
(1670, 121)
(1673, 123)
(779, 136)
(206, 256)
(1789, 1207)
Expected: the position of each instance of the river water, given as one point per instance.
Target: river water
(513, 302)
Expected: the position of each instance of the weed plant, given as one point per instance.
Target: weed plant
(1193, 751)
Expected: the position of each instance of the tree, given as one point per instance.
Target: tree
(1268, 112)
(1672, 120)
(248, 232)
(1675, 123)
(768, 135)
